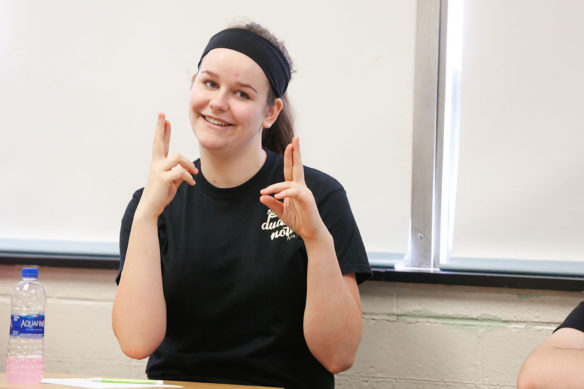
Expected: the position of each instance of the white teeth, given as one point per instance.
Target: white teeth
(216, 122)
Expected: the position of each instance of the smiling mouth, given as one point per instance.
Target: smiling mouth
(216, 122)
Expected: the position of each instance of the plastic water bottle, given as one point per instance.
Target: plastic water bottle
(25, 361)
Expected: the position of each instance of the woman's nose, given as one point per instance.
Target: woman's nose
(219, 101)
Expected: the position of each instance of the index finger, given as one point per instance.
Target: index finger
(166, 137)
(288, 175)
(297, 168)
(161, 139)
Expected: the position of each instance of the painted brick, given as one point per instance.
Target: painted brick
(415, 336)
(486, 303)
(80, 328)
(377, 298)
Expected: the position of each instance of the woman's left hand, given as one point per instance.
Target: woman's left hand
(298, 208)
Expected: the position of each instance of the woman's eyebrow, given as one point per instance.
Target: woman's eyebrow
(241, 84)
(212, 74)
(244, 85)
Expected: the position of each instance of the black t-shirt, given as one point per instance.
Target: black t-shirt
(234, 279)
(575, 319)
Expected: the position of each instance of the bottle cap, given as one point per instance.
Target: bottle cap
(30, 272)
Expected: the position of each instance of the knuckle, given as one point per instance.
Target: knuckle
(167, 176)
(158, 165)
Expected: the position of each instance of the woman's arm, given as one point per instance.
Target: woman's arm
(139, 310)
(332, 316)
(557, 363)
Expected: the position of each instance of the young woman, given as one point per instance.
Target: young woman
(250, 276)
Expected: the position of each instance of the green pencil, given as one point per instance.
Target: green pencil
(127, 381)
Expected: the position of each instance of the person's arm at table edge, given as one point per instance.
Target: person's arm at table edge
(557, 363)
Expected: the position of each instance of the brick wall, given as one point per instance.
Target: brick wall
(415, 335)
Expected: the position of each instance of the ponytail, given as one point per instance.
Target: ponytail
(280, 134)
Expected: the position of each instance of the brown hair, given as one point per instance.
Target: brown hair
(280, 134)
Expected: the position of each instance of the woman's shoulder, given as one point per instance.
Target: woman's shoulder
(323, 186)
(320, 180)
(137, 194)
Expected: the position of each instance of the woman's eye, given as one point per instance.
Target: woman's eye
(241, 94)
(210, 84)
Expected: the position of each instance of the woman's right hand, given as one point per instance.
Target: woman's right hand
(166, 173)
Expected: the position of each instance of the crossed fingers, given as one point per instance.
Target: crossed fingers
(177, 165)
(293, 169)
(293, 173)
(161, 138)
(291, 200)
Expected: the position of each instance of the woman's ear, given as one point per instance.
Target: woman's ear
(193, 78)
(273, 112)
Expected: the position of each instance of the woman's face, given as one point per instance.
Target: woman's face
(228, 106)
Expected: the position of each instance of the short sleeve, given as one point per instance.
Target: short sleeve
(336, 214)
(575, 319)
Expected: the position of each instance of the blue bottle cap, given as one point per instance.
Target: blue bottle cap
(30, 272)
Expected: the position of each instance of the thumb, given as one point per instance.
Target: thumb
(276, 206)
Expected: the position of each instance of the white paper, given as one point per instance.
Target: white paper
(88, 383)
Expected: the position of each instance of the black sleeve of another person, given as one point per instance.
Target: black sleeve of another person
(575, 319)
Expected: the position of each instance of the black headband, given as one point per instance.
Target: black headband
(264, 53)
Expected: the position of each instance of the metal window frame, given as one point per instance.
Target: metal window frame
(433, 151)
(424, 231)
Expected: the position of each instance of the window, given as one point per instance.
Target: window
(507, 189)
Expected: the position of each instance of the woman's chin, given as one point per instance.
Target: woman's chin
(212, 143)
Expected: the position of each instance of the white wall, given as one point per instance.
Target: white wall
(81, 83)
(415, 335)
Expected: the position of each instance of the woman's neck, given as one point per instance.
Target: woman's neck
(229, 171)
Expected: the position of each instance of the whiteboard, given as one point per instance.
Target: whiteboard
(81, 83)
